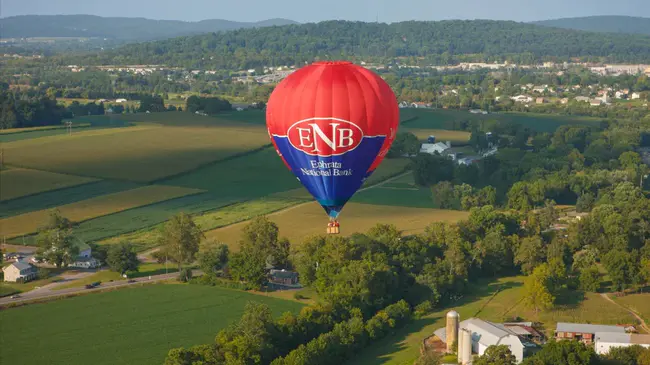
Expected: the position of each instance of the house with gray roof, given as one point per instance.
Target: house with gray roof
(19, 272)
(583, 332)
(604, 341)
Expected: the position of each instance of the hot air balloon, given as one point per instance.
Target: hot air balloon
(332, 123)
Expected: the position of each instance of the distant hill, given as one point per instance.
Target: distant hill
(606, 23)
(126, 29)
(438, 42)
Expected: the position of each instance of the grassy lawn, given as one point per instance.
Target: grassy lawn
(302, 220)
(21, 182)
(127, 326)
(95, 207)
(493, 301)
(145, 153)
(104, 276)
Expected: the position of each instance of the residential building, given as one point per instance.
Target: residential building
(540, 101)
(595, 102)
(582, 98)
(120, 100)
(283, 277)
(583, 332)
(620, 95)
(564, 100)
(604, 341)
(20, 272)
(635, 96)
(522, 99)
(432, 148)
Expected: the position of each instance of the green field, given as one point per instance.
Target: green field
(442, 118)
(127, 326)
(63, 196)
(400, 192)
(493, 301)
(95, 207)
(17, 183)
(141, 154)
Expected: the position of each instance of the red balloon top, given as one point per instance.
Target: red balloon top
(335, 90)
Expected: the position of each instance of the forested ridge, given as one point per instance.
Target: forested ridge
(117, 28)
(603, 23)
(427, 42)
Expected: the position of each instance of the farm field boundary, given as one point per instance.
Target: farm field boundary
(28, 223)
(18, 182)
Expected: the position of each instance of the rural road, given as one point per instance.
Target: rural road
(44, 293)
(641, 320)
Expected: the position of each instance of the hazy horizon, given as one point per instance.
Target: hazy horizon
(304, 12)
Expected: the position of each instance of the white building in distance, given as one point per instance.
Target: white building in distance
(605, 341)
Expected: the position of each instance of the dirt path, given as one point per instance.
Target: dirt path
(643, 324)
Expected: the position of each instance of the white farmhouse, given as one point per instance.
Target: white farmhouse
(432, 148)
(635, 96)
(608, 340)
(19, 271)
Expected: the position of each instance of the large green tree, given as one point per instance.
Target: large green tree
(122, 258)
(496, 355)
(179, 239)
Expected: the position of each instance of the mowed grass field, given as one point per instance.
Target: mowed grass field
(493, 301)
(91, 208)
(16, 182)
(442, 119)
(640, 303)
(128, 326)
(307, 219)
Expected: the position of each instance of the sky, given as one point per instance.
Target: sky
(303, 11)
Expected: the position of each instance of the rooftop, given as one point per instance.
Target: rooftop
(20, 265)
(587, 328)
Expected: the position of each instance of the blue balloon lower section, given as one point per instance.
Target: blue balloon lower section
(332, 180)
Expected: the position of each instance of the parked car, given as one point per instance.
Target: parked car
(131, 281)
(15, 296)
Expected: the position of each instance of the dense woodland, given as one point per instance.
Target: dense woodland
(443, 42)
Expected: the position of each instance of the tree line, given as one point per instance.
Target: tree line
(443, 42)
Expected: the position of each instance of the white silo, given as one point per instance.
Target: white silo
(467, 346)
(459, 341)
(452, 329)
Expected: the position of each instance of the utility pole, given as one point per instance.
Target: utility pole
(641, 182)
(69, 127)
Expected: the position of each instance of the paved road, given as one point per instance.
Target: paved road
(643, 324)
(44, 292)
